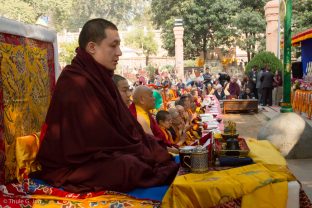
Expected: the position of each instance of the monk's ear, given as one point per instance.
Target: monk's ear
(91, 47)
(142, 100)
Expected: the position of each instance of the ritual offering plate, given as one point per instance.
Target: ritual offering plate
(235, 147)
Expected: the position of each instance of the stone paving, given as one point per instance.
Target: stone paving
(248, 126)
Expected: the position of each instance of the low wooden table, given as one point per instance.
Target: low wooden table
(240, 105)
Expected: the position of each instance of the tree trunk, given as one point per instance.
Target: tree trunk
(253, 46)
(248, 48)
(146, 59)
(205, 49)
(248, 54)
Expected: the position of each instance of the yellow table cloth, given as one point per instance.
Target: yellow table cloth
(217, 187)
(260, 185)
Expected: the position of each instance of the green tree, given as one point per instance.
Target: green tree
(121, 12)
(71, 14)
(29, 11)
(142, 39)
(207, 23)
(264, 59)
(189, 63)
(250, 24)
(302, 15)
(151, 70)
(17, 10)
(67, 52)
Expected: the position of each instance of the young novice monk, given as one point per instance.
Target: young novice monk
(163, 119)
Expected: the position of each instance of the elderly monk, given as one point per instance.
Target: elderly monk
(184, 115)
(90, 141)
(123, 88)
(143, 103)
(177, 127)
(187, 102)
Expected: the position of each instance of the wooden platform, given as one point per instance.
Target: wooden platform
(240, 105)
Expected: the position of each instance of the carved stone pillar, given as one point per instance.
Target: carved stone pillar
(271, 17)
(179, 58)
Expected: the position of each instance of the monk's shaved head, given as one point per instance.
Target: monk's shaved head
(173, 112)
(139, 91)
(143, 96)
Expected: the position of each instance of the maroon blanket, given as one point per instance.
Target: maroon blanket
(91, 141)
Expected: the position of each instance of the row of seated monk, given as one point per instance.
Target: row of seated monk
(177, 126)
(91, 141)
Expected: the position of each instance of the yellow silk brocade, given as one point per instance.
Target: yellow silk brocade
(271, 196)
(217, 187)
(262, 151)
(26, 95)
(142, 113)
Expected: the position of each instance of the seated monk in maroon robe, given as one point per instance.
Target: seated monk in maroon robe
(90, 141)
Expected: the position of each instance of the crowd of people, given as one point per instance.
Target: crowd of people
(259, 84)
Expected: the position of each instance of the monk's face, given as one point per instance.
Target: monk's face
(148, 100)
(181, 111)
(107, 52)
(124, 90)
(167, 122)
(187, 103)
(176, 120)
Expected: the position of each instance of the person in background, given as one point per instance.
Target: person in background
(267, 86)
(166, 82)
(234, 88)
(207, 77)
(247, 94)
(180, 86)
(259, 87)
(278, 88)
(253, 79)
(219, 92)
(123, 88)
(209, 89)
(173, 94)
(248, 84)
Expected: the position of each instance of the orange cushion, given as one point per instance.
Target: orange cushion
(26, 151)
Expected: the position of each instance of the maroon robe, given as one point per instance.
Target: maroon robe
(92, 142)
(234, 89)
